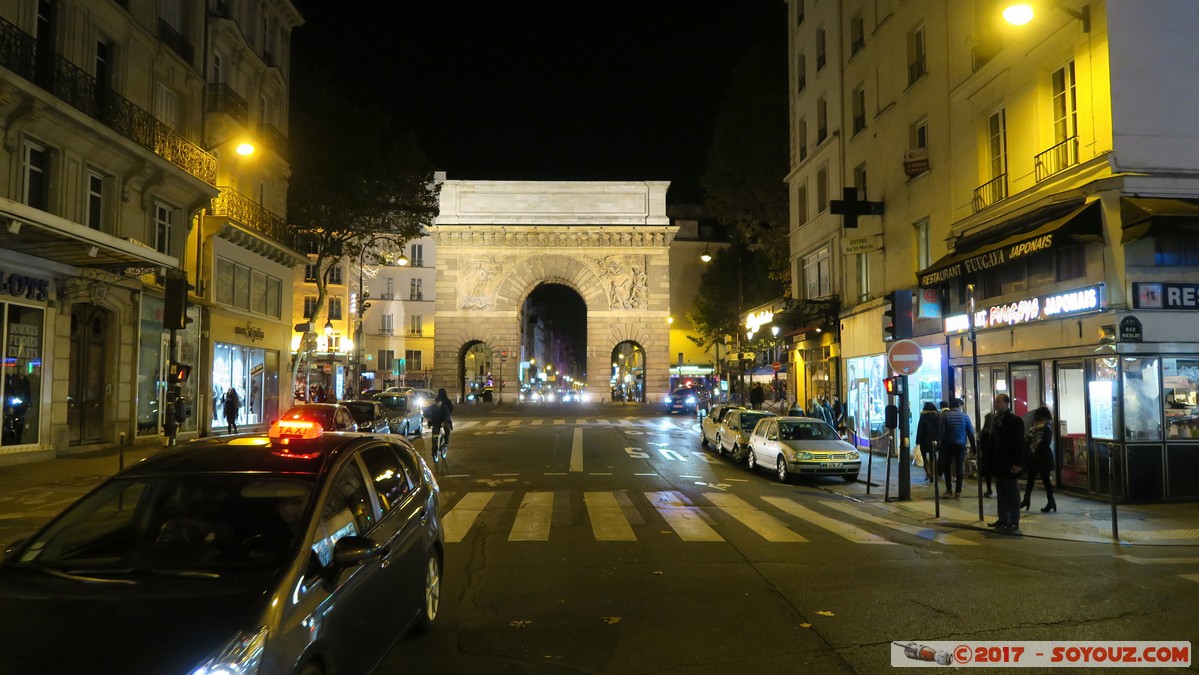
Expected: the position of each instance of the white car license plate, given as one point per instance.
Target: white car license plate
(830, 465)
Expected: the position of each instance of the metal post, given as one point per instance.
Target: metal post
(1118, 445)
(977, 403)
(170, 427)
(905, 453)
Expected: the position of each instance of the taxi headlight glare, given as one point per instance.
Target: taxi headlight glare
(800, 455)
(241, 656)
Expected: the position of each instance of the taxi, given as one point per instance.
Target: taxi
(802, 446)
(298, 551)
(733, 434)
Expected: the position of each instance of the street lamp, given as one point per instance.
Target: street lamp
(1021, 13)
(329, 348)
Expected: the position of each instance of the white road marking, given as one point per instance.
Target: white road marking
(538, 423)
(494, 423)
(555, 473)
(1190, 577)
(559, 421)
(645, 474)
(576, 451)
(671, 455)
(1158, 561)
(769, 527)
(533, 518)
(685, 520)
(515, 423)
(841, 529)
(922, 532)
(607, 520)
(597, 473)
(459, 520)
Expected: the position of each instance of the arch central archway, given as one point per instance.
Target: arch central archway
(497, 241)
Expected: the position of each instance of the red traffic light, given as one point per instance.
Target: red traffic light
(179, 373)
(894, 386)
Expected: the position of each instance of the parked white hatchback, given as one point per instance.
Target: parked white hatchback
(733, 434)
(801, 446)
(711, 425)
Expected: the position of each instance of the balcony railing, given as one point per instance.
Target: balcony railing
(387, 296)
(416, 296)
(222, 99)
(386, 331)
(232, 204)
(274, 138)
(74, 86)
(990, 192)
(415, 333)
(172, 38)
(1061, 156)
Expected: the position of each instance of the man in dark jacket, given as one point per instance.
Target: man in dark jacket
(1007, 455)
(928, 435)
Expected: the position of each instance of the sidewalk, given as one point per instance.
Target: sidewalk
(1077, 518)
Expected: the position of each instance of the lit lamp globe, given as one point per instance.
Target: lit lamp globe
(1018, 14)
(244, 149)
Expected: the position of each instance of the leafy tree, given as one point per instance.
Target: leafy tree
(359, 189)
(734, 281)
(748, 160)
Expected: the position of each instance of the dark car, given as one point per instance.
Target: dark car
(330, 416)
(683, 399)
(402, 414)
(369, 416)
(294, 552)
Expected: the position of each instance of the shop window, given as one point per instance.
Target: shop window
(241, 287)
(1176, 250)
(21, 388)
(258, 293)
(1142, 399)
(1180, 380)
(224, 282)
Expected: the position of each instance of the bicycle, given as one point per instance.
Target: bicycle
(441, 441)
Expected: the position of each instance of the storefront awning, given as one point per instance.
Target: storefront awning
(1080, 225)
(768, 370)
(48, 236)
(1148, 216)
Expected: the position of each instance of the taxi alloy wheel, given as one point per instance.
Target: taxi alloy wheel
(781, 470)
(738, 452)
(432, 593)
(751, 462)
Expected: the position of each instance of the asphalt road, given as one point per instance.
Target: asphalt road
(606, 540)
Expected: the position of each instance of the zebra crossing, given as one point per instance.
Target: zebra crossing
(628, 423)
(629, 516)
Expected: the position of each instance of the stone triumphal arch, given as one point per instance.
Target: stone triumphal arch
(497, 241)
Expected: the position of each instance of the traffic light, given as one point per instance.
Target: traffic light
(178, 373)
(891, 416)
(174, 309)
(897, 316)
(894, 386)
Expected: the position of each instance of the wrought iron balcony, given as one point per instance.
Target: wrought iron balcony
(222, 99)
(274, 138)
(232, 204)
(416, 296)
(990, 192)
(74, 86)
(1061, 156)
(175, 40)
(386, 331)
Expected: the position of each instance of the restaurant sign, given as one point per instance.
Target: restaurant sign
(1038, 308)
(1160, 295)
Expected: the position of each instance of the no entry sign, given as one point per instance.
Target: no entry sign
(905, 357)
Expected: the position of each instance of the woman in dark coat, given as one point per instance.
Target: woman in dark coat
(1040, 452)
(928, 433)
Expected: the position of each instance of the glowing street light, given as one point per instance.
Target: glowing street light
(1018, 14)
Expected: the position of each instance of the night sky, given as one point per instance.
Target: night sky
(562, 90)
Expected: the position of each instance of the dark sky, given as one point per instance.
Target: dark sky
(566, 90)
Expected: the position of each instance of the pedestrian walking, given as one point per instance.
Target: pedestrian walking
(928, 436)
(1040, 460)
(956, 431)
(1009, 458)
(231, 404)
(756, 396)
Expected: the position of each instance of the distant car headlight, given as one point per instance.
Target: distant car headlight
(240, 657)
(689, 400)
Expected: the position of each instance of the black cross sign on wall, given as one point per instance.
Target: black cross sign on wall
(849, 207)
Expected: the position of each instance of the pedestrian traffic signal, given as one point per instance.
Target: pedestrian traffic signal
(894, 386)
(178, 373)
(897, 316)
(174, 309)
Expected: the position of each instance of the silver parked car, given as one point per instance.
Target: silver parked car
(733, 434)
(711, 422)
(801, 446)
(403, 415)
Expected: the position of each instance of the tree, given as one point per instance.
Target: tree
(359, 189)
(748, 160)
(722, 297)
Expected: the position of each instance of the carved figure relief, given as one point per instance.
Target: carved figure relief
(477, 281)
(626, 280)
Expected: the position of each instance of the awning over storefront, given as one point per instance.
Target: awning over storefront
(1080, 225)
(1148, 216)
(48, 236)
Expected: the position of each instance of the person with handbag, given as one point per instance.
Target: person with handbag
(928, 434)
(1040, 462)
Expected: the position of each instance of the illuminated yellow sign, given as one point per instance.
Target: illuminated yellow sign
(756, 320)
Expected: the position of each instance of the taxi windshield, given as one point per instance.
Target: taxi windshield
(177, 523)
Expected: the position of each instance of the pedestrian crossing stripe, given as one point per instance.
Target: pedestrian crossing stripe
(609, 516)
(626, 423)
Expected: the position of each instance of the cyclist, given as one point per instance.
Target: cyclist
(438, 414)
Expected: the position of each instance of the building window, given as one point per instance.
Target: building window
(413, 360)
(309, 306)
(923, 244)
(35, 167)
(334, 309)
(388, 324)
(817, 274)
(95, 201)
(163, 217)
(997, 143)
(820, 51)
(218, 68)
(386, 356)
(1065, 104)
(821, 120)
(415, 292)
(859, 108)
(857, 34)
(822, 189)
(801, 203)
(415, 325)
(310, 272)
(863, 277)
(859, 180)
(801, 138)
(799, 11)
(801, 73)
(418, 255)
(918, 135)
(166, 106)
(264, 116)
(335, 275)
(917, 67)
(1176, 250)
